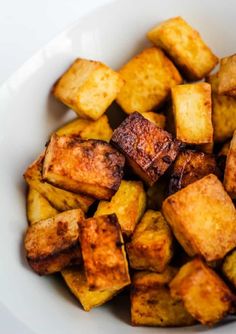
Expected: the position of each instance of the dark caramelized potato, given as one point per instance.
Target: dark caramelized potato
(103, 253)
(53, 243)
(189, 167)
(90, 166)
(149, 149)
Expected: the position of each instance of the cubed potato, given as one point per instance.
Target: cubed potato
(223, 112)
(76, 281)
(230, 169)
(53, 243)
(192, 113)
(229, 267)
(227, 76)
(128, 204)
(87, 129)
(157, 193)
(149, 150)
(60, 199)
(38, 208)
(152, 304)
(202, 217)
(151, 246)
(88, 87)
(148, 78)
(103, 253)
(157, 119)
(204, 294)
(92, 167)
(185, 47)
(189, 167)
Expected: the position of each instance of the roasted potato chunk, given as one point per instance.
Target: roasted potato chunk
(76, 281)
(152, 304)
(128, 204)
(229, 267)
(230, 169)
(103, 253)
(60, 199)
(87, 129)
(149, 150)
(185, 47)
(189, 167)
(148, 78)
(204, 294)
(38, 208)
(202, 217)
(92, 167)
(157, 119)
(53, 243)
(88, 87)
(151, 244)
(227, 76)
(192, 113)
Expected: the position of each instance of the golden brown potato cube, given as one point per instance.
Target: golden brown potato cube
(76, 281)
(185, 47)
(92, 167)
(149, 150)
(192, 113)
(128, 204)
(157, 119)
(88, 87)
(230, 169)
(148, 78)
(227, 76)
(103, 253)
(229, 267)
(87, 129)
(53, 243)
(151, 246)
(223, 112)
(202, 217)
(38, 208)
(204, 294)
(189, 167)
(152, 304)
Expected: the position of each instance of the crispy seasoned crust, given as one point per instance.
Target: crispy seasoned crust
(60, 199)
(92, 167)
(202, 217)
(52, 244)
(229, 267)
(189, 167)
(103, 253)
(230, 169)
(185, 47)
(204, 294)
(151, 246)
(152, 304)
(227, 76)
(149, 150)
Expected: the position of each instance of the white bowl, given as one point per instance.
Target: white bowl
(111, 34)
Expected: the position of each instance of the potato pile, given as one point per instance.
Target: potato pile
(149, 206)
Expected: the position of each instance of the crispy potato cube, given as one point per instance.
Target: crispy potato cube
(157, 119)
(103, 253)
(230, 169)
(229, 267)
(227, 76)
(53, 243)
(204, 294)
(149, 150)
(185, 47)
(60, 199)
(92, 167)
(87, 129)
(148, 78)
(189, 167)
(202, 217)
(223, 112)
(151, 246)
(38, 208)
(128, 204)
(76, 281)
(152, 304)
(192, 113)
(88, 87)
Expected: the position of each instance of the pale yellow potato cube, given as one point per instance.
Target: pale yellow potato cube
(157, 119)
(227, 76)
(230, 169)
